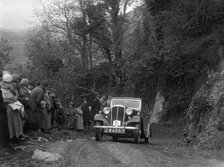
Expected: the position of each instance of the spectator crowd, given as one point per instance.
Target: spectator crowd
(33, 106)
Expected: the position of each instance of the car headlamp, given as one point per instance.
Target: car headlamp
(129, 111)
(106, 110)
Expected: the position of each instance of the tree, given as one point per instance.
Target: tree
(5, 51)
(110, 22)
(182, 39)
(69, 18)
(45, 52)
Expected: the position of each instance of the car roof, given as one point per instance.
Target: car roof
(129, 98)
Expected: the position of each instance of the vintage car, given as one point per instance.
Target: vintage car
(125, 117)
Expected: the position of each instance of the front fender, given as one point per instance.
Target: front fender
(100, 117)
(135, 119)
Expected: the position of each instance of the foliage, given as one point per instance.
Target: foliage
(80, 36)
(179, 45)
(5, 50)
(164, 45)
(52, 59)
(44, 52)
(205, 114)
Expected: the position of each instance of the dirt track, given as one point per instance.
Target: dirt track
(88, 153)
(163, 151)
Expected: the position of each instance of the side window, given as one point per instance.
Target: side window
(149, 111)
(146, 108)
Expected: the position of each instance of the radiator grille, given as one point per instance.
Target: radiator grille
(117, 113)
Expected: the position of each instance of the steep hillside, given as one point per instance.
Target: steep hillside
(206, 114)
(16, 40)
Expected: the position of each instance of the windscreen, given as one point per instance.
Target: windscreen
(130, 103)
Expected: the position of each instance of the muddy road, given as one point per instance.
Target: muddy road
(89, 153)
(84, 151)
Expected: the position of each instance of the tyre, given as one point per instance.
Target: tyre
(137, 134)
(147, 139)
(98, 132)
(114, 138)
(150, 131)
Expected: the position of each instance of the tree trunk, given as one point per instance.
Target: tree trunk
(90, 52)
(84, 57)
(116, 30)
(84, 37)
(117, 37)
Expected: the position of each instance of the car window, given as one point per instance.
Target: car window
(130, 103)
(146, 109)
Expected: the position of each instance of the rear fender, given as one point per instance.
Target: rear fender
(100, 117)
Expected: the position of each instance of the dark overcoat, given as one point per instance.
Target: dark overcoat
(14, 127)
(24, 98)
(4, 133)
(36, 96)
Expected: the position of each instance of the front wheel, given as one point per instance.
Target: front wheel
(98, 132)
(115, 138)
(147, 139)
(137, 134)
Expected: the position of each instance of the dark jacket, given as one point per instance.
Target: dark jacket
(95, 107)
(2, 106)
(86, 114)
(24, 96)
(1, 99)
(4, 132)
(60, 116)
(37, 95)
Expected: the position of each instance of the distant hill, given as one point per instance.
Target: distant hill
(16, 39)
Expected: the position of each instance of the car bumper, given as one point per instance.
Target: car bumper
(116, 127)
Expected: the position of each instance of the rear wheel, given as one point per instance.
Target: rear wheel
(98, 132)
(137, 134)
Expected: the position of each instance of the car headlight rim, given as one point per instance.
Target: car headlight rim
(129, 111)
(106, 110)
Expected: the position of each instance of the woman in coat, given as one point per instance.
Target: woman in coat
(15, 126)
(79, 119)
(4, 134)
(24, 98)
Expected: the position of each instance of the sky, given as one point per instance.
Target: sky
(16, 14)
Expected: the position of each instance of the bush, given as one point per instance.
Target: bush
(206, 114)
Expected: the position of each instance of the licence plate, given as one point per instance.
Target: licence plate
(111, 130)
